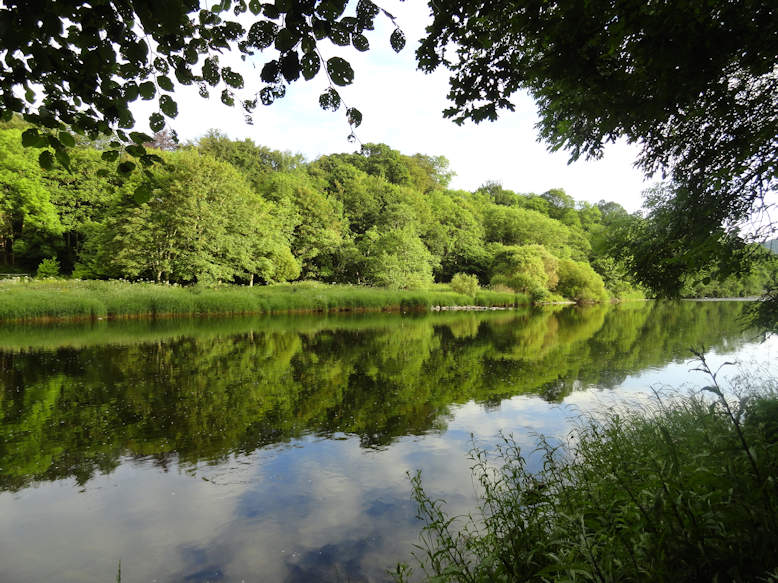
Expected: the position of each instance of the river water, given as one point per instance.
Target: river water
(278, 448)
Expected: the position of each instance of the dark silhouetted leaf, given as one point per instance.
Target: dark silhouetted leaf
(360, 42)
(397, 40)
(46, 159)
(290, 66)
(262, 34)
(165, 83)
(330, 100)
(140, 138)
(125, 167)
(142, 194)
(311, 63)
(354, 117)
(168, 106)
(269, 72)
(67, 139)
(147, 90)
(340, 71)
(156, 122)
(110, 155)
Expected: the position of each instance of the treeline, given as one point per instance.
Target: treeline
(231, 211)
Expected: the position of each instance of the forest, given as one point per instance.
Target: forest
(221, 211)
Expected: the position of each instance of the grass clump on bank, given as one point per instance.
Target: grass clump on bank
(62, 299)
(682, 491)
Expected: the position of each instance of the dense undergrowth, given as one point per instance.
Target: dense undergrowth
(31, 299)
(682, 490)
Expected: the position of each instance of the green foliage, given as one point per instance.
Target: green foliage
(49, 267)
(680, 491)
(464, 283)
(61, 71)
(578, 281)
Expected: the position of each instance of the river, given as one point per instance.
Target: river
(277, 448)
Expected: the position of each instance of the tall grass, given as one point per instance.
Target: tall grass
(684, 490)
(63, 299)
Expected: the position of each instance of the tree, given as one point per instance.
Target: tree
(26, 212)
(79, 65)
(693, 83)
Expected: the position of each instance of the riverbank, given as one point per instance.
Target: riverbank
(62, 299)
(679, 490)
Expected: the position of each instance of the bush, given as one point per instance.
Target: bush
(681, 491)
(464, 283)
(49, 267)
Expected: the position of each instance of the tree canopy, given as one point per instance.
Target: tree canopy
(695, 84)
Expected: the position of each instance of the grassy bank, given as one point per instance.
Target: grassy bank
(683, 490)
(72, 299)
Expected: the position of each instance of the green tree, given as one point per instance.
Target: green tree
(693, 84)
(28, 219)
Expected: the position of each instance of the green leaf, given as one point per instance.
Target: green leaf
(110, 155)
(354, 117)
(140, 138)
(31, 138)
(290, 66)
(255, 6)
(231, 78)
(360, 42)
(262, 34)
(29, 95)
(340, 71)
(228, 98)
(311, 63)
(340, 34)
(168, 106)
(126, 167)
(46, 160)
(165, 83)
(142, 193)
(397, 40)
(135, 150)
(330, 100)
(156, 122)
(269, 72)
(67, 139)
(286, 39)
(147, 90)
(63, 158)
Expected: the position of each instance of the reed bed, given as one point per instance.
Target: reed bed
(28, 299)
(683, 490)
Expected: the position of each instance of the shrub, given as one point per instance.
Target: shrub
(464, 283)
(683, 490)
(49, 267)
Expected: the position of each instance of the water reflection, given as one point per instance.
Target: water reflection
(276, 449)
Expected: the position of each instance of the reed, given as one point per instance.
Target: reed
(72, 299)
(682, 490)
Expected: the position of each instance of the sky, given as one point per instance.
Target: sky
(402, 107)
